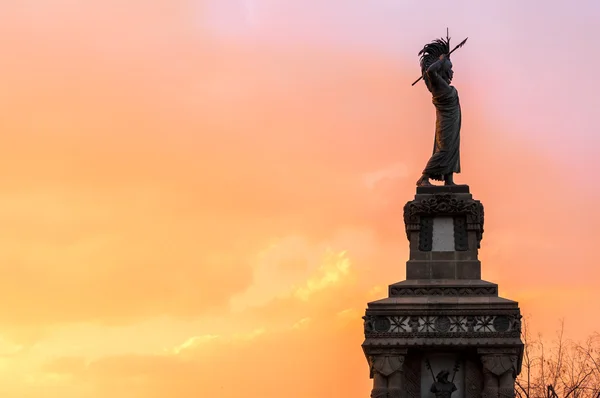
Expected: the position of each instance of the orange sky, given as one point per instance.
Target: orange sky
(190, 215)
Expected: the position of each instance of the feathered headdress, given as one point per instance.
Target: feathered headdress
(432, 51)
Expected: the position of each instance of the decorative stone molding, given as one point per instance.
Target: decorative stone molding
(386, 364)
(499, 364)
(426, 234)
(386, 370)
(461, 237)
(444, 325)
(453, 312)
(443, 309)
(443, 291)
(500, 361)
(500, 368)
(375, 351)
(417, 212)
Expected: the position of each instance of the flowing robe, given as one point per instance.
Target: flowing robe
(446, 154)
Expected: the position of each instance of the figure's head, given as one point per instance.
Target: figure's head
(430, 53)
(443, 376)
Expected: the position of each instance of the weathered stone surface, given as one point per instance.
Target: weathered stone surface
(442, 239)
(453, 255)
(443, 287)
(468, 215)
(443, 309)
(452, 269)
(412, 376)
(433, 363)
(473, 378)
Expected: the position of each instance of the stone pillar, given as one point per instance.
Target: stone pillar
(443, 310)
(387, 374)
(444, 230)
(473, 378)
(500, 368)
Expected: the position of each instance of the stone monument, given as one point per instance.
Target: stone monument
(443, 332)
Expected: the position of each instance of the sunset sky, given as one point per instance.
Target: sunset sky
(199, 197)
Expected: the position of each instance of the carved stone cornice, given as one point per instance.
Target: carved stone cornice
(374, 351)
(444, 325)
(444, 204)
(385, 344)
(443, 291)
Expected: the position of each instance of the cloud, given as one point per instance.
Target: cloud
(302, 323)
(329, 274)
(392, 172)
(194, 342)
(164, 186)
(305, 341)
(142, 184)
(262, 360)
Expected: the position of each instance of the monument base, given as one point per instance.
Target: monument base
(443, 332)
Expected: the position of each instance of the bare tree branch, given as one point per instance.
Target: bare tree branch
(565, 369)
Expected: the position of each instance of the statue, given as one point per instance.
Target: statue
(387, 374)
(443, 388)
(437, 73)
(500, 369)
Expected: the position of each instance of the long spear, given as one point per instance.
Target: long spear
(428, 366)
(456, 368)
(462, 43)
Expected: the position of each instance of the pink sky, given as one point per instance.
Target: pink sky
(198, 198)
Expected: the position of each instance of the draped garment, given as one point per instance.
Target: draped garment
(446, 153)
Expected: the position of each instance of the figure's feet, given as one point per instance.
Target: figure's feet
(424, 181)
(449, 180)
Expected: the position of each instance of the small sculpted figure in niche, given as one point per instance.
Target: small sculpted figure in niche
(443, 388)
(437, 73)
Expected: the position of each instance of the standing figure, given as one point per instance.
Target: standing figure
(437, 73)
(443, 388)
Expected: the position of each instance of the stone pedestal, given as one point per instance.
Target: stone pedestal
(443, 317)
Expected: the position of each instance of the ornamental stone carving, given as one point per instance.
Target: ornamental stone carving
(498, 364)
(500, 368)
(445, 204)
(443, 310)
(386, 372)
(386, 364)
(444, 325)
(443, 291)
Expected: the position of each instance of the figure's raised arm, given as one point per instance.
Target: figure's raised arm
(436, 66)
(433, 73)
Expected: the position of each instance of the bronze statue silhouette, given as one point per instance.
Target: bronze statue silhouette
(437, 73)
(443, 388)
